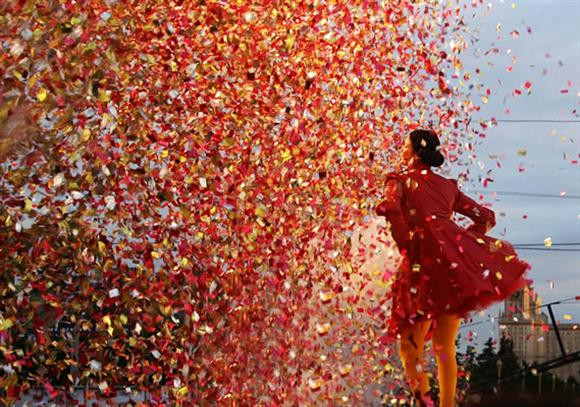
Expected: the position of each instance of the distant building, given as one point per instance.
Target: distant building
(533, 335)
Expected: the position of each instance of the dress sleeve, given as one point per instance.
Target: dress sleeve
(482, 217)
(391, 209)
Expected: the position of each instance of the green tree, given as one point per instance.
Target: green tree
(485, 368)
(510, 364)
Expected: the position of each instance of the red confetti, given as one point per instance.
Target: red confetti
(186, 220)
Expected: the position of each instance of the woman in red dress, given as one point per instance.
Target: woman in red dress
(447, 271)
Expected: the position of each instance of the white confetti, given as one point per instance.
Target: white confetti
(110, 201)
(212, 287)
(26, 34)
(77, 195)
(58, 179)
(249, 16)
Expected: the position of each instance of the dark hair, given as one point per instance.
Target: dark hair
(425, 143)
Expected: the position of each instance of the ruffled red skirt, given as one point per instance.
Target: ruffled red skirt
(450, 270)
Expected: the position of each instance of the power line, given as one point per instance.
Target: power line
(536, 121)
(487, 320)
(542, 244)
(575, 299)
(529, 194)
(547, 249)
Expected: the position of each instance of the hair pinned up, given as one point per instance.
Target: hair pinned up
(425, 143)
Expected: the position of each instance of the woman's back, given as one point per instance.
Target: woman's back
(427, 194)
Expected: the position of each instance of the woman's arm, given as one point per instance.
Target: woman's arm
(391, 209)
(483, 218)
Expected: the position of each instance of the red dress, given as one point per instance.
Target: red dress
(450, 269)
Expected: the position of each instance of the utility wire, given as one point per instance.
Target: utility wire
(535, 121)
(575, 299)
(564, 301)
(528, 194)
(484, 321)
(542, 244)
(547, 249)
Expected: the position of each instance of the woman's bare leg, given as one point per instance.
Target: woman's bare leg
(411, 354)
(444, 334)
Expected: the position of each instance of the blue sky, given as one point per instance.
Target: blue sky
(548, 57)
